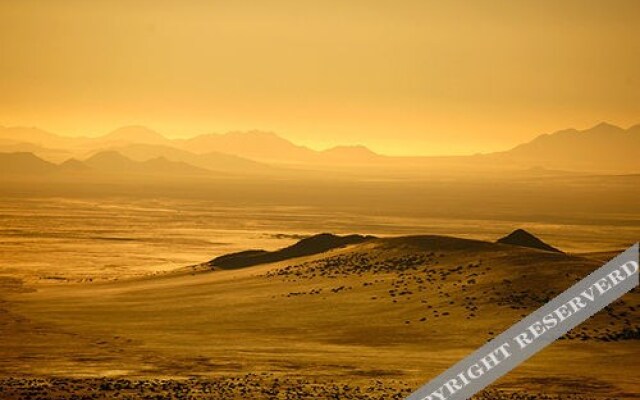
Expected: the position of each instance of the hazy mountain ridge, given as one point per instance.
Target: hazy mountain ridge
(134, 134)
(602, 148)
(24, 163)
(256, 145)
(214, 161)
(108, 162)
(112, 161)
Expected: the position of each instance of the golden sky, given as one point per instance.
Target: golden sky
(400, 76)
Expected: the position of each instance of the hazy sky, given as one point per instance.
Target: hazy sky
(402, 77)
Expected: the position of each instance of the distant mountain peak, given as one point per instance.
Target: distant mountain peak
(28, 134)
(263, 137)
(522, 238)
(73, 164)
(24, 163)
(135, 134)
(110, 160)
(351, 149)
(605, 125)
(253, 132)
(254, 145)
(110, 155)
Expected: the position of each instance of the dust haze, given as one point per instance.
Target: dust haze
(311, 201)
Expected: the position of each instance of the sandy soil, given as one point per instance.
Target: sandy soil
(397, 311)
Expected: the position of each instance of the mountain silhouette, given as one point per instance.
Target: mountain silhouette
(255, 145)
(161, 165)
(74, 165)
(522, 238)
(213, 161)
(24, 164)
(134, 134)
(351, 155)
(312, 245)
(111, 161)
(114, 162)
(35, 136)
(604, 147)
(271, 148)
(48, 154)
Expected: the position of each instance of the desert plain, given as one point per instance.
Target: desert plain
(117, 298)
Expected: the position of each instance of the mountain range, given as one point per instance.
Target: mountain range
(604, 148)
(23, 164)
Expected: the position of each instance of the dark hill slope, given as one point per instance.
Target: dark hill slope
(522, 238)
(305, 247)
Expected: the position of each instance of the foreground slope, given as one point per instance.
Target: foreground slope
(395, 310)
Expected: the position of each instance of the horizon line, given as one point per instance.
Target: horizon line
(312, 148)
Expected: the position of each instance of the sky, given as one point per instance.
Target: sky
(401, 77)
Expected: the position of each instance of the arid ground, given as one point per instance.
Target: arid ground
(368, 321)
